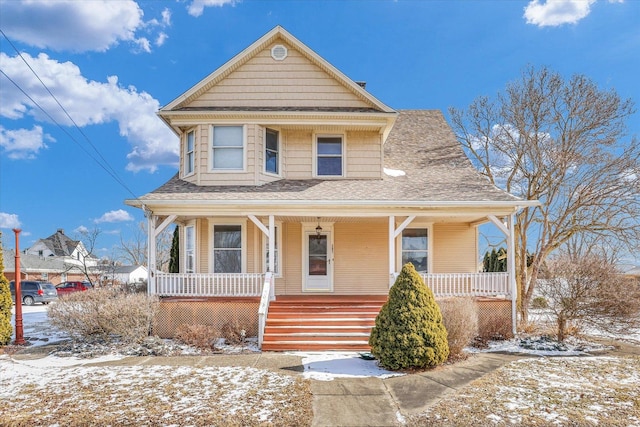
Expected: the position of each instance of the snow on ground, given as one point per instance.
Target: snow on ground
(326, 366)
(36, 327)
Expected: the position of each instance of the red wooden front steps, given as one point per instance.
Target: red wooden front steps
(324, 322)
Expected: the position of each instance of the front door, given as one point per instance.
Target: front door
(318, 262)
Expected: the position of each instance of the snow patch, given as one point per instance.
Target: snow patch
(394, 172)
(326, 366)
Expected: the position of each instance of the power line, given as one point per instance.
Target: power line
(104, 164)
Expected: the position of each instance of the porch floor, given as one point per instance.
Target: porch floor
(321, 322)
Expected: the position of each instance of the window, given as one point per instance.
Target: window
(227, 249)
(276, 252)
(329, 156)
(189, 158)
(271, 152)
(415, 248)
(44, 276)
(228, 148)
(190, 249)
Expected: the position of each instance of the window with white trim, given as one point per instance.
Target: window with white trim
(271, 152)
(227, 150)
(190, 249)
(415, 248)
(276, 252)
(329, 156)
(189, 158)
(227, 248)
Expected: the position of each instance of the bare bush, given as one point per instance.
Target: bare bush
(105, 313)
(588, 291)
(460, 317)
(200, 336)
(234, 332)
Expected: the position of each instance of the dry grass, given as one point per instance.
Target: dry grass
(157, 396)
(546, 392)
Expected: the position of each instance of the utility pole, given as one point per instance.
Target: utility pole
(19, 328)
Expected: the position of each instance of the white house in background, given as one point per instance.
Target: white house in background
(59, 245)
(130, 274)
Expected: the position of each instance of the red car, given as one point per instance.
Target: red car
(69, 287)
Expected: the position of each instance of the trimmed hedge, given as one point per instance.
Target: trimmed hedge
(409, 331)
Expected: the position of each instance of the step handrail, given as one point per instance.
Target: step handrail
(263, 309)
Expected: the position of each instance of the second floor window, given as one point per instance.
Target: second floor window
(271, 152)
(189, 156)
(329, 156)
(228, 148)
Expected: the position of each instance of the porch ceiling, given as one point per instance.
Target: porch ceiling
(466, 219)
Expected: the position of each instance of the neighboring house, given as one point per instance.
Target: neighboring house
(60, 246)
(299, 191)
(125, 274)
(35, 267)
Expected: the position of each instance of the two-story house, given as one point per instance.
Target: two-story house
(298, 185)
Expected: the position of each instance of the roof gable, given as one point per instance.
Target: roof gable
(254, 68)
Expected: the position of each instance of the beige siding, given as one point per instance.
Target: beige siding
(455, 248)
(360, 258)
(291, 281)
(298, 152)
(363, 155)
(202, 244)
(265, 82)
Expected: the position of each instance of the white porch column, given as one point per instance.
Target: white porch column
(511, 269)
(151, 251)
(272, 253)
(392, 248)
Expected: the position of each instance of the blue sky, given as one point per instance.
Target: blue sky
(112, 64)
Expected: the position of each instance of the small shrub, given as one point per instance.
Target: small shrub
(460, 316)
(105, 313)
(200, 336)
(234, 332)
(409, 332)
(539, 303)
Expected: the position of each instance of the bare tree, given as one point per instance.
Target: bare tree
(589, 291)
(86, 261)
(560, 142)
(134, 250)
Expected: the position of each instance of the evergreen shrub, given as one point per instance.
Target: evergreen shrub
(409, 331)
(6, 330)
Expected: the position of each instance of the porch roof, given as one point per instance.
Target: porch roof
(424, 166)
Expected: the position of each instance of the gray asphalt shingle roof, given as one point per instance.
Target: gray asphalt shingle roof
(421, 144)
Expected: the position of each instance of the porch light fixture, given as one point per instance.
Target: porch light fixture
(318, 228)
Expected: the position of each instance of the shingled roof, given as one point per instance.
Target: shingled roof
(60, 244)
(423, 162)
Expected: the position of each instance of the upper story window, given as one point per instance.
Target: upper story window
(329, 156)
(271, 153)
(189, 158)
(415, 248)
(227, 148)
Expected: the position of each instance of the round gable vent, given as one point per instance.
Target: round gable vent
(278, 52)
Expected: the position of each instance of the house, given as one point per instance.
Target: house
(300, 195)
(61, 246)
(126, 274)
(34, 267)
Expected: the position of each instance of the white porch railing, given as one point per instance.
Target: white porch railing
(209, 285)
(263, 309)
(468, 284)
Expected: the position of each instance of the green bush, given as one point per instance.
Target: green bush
(6, 330)
(409, 330)
(539, 303)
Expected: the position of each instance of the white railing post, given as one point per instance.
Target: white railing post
(263, 309)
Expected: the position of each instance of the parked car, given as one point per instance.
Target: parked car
(33, 291)
(65, 288)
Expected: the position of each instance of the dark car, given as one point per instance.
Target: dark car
(33, 291)
(65, 288)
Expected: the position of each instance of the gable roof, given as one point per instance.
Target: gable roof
(128, 269)
(33, 263)
(277, 33)
(60, 244)
(424, 163)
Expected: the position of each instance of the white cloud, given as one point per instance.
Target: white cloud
(115, 216)
(73, 25)
(81, 230)
(9, 220)
(23, 143)
(89, 103)
(197, 6)
(553, 13)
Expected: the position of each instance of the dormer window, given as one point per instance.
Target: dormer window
(189, 158)
(227, 148)
(329, 156)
